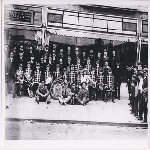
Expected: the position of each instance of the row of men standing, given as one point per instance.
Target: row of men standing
(138, 90)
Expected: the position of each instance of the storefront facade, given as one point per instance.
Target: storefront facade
(84, 26)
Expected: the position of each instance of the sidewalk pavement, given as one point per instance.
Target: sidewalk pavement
(95, 111)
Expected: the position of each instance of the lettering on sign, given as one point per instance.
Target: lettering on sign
(20, 16)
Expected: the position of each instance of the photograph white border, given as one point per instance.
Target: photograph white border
(63, 143)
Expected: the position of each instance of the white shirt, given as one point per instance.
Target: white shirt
(84, 78)
(141, 84)
(48, 80)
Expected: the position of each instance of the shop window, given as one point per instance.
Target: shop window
(145, 26)
(129, 26)
(57, 18)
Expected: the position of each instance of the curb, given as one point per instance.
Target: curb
(82, 122)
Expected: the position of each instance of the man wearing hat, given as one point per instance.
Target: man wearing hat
(140, 97)
(145, 93)
(37, 74)
(48, 77)
(10, 71)
(83, 59)
(130, 72)
(19, 80)
(99, 59)
(33, 63)
(92, 59)
(20, 60)
(42, 68)
(105, 57)
(75, 56)
(27, 78)
(114, 60)
(117, 79)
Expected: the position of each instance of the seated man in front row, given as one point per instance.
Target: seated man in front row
(83, 94)
(43, 95)
(66, 94)
(70, 96)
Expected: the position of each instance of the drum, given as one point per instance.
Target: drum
(56, 88)
(32, 89)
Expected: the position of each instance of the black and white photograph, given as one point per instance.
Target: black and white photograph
(75, 71)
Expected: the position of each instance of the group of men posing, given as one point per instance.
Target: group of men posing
(27, 64)
(138, 90)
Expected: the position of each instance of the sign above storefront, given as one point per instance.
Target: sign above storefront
(19, 16)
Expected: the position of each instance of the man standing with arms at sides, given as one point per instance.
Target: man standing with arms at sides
(19, 80)
(113, 61)
(10, 74)
(105, 57)
(92, 59)
(117, 80)
(140, 97)
(99, 59)
(145, 93)
(83, 59)
(129, 77)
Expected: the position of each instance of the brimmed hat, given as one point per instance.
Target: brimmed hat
(82, 83)
(105, 50)
(134, 81)
(134, 76)
(139, 63)
(20, 65)
(76, 49)
(37, 65)
(140, 73)
(145, 70)
(65, 82)
(85, 70)
(47, 65)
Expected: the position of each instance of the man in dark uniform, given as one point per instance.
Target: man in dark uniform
(20, 60)
(99, 59)
(105, 57)
(19, 80)
(129, 77)
(106, 70)
(92, 59)
(10, 71)
(60, 55)
(83, 59)
(145, 93)
(114, 60)
(42, 68)
(117, 80)
(33, 63)
(47, 50)
(75, 56)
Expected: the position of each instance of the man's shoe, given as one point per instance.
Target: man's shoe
(48, 102)
(37, 101)
(140, 118)
(143, 121)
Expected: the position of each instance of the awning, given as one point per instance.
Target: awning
(92, 35)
